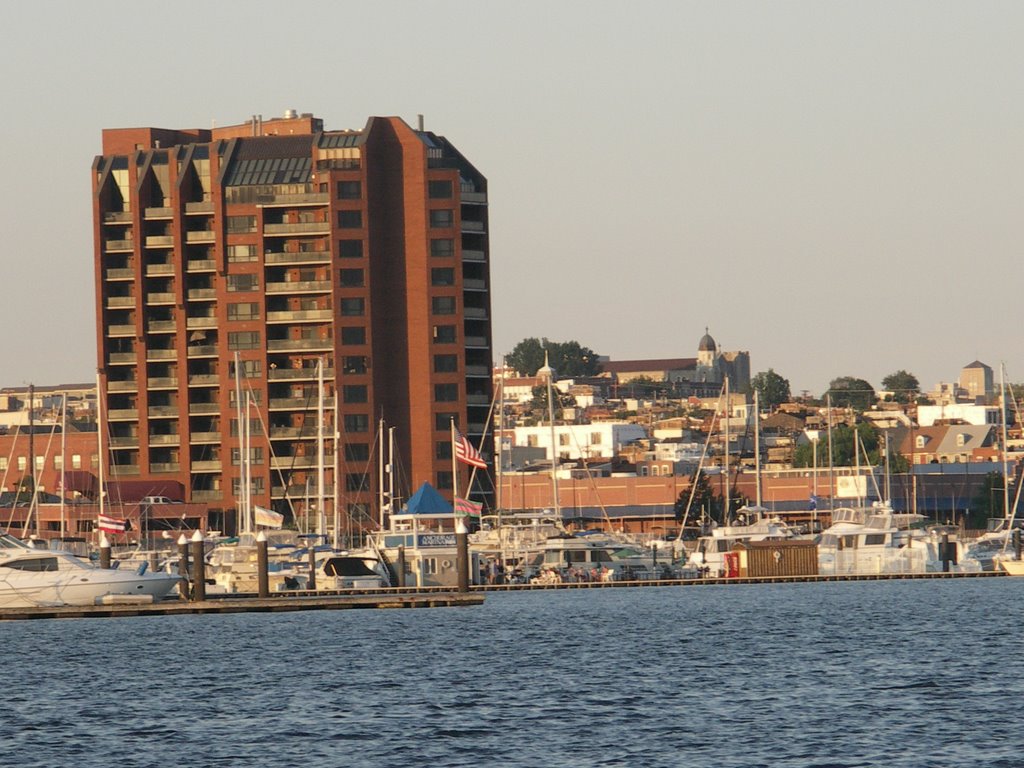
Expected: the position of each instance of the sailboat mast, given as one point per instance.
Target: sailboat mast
(321, 513)
(380, 473)
(390, 467)
(99, 442)
(831, 476)
(243, 523)
(728, 485)
(334, 468)
(550, 373)
(63, 451)
(1002, 419)
(757, 446)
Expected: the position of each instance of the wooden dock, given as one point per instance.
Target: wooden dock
(251, 604)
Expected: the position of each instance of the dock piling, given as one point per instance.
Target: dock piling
(198, 568)
(262, 564)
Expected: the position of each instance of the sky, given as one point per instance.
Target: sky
(833, 187)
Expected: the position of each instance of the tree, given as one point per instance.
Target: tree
(851, 392)
(988, 502)
(569, 358)
(704, 501)
(904, 386)
(772, 390)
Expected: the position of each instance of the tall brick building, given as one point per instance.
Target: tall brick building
(286, 244)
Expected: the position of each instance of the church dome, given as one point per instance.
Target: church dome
(707, 344)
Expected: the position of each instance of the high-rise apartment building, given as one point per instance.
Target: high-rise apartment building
(285, 246)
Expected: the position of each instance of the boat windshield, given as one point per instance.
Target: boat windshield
(9, 542)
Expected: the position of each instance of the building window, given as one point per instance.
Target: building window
(256, 485)
(595, 438)
(354, 364)
(3, 463)
(444, 334)
(441, 218)
(446, 393)
(356, 481)
(241, 253)
(350, 249)
(350, 190)
(241, 224)
(357, 452)
(443, 305)
(439, 190)
(242, 283)
(244, 311)
(351, 278)
(563, 439)
(251, 369)
(255, 456)
(40, 463)
(446, 363)
(531, 441)
(442, 276)
(244, 340)
(255, 426)
(350, 219)
(76, 461)
(353, 335)
(352, 307)
(442, 247)
(443, 421)
(354, 393)
(443, 449)
(356, 422)
(444, 481)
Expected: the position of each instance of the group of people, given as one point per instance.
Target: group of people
(572, 575)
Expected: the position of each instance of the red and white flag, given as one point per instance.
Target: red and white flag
(109, 524)
(466, 453)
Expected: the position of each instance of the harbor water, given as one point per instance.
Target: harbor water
(896, 673)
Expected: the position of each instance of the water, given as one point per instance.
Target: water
(914, 673)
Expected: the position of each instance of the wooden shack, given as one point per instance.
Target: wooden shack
(796, 557)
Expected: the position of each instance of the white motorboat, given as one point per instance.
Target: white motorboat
(31, 577)
(351, 570)
(749, 524)
(878, 540)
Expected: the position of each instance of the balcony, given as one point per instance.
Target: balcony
(163, 411)
(120, 302)
(118, 246)
(162, 382)
(302, 257)
(160, 241)
(200, 207)
(117, 217)
(199, 438)
(478, 400)
(124, 470)
(123, 414)
(298, 403)
(120, 331)
(121, 358)
(474, 197)
(204, 380)
(123, 386)
(204, 350)
(477, 342)
(200, 265)
(472, 255)
(163, 467)
(200, 236)
(301, 198)
(158, 213)
(475, 313)
(161, 354)
(165, 439)
(128, 441)
(199, 294)
(207, 495)
(478, 371)
(299, 315)
(154, 270)
(472, 226)
(298, 228)
(294, 462)
(120, 274)
(473, 284)
(192, 323)
(206, 466)
(292, 433)
(300, 286)
(200, 409)
(291, 345)
(159, 298)
(161, 326)
(291, 374)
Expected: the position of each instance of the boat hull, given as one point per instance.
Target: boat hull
(29, 590)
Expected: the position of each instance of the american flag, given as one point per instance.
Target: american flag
(466, 453)
(467, 508)
(111, 524)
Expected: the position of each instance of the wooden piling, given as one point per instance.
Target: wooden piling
(262, 564)
(400, 568)
(198, 568)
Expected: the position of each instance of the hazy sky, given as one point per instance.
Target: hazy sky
(834, 187)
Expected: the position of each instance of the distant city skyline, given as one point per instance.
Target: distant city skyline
(833, 188)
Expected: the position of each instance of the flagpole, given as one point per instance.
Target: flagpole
(99, 440)
(63, 451)
(321, 518)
